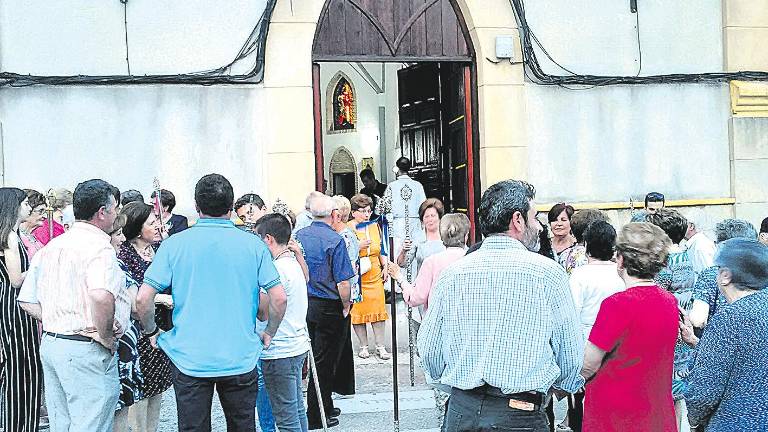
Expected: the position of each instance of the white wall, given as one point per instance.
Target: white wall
(365, 140)
(600, 36)
(59, 136)
(87, 37)
(610, 143)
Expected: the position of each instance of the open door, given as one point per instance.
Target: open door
(436, 132)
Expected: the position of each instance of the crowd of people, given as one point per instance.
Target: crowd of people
(102, 294)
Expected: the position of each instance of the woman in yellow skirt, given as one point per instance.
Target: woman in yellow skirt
(372, 309)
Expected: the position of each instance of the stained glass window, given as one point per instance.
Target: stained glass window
(344, 106)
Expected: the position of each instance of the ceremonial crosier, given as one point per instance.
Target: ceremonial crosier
(384, 207)
(49, 198)
(406, 193)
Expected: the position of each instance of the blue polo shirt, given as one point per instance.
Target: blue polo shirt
(326, 255)
(217, 271)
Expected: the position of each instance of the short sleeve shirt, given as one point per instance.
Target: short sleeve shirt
(327, 259)
(632, 391)
(217, 271)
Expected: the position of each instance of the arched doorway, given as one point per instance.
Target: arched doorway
(343, 173)
(417, 61)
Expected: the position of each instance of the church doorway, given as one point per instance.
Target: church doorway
(396, 78)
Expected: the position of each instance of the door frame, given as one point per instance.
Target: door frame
(471, 134)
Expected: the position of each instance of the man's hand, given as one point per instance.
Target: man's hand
(109, 342)
(117, 329)
(266, 339)
(347, 308)
(294, 247)
(407, 245)
(153, 339)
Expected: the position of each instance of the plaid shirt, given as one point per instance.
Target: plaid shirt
(503, 316)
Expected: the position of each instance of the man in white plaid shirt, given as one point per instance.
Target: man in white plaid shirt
(502, 330)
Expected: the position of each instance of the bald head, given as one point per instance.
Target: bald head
(312, 195)
(321, 207)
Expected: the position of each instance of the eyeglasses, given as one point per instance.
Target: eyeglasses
(365, 211)
(39, 211)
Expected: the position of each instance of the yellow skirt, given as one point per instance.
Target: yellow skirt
(373, 308)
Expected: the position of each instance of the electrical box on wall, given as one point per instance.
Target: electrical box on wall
(505, 47)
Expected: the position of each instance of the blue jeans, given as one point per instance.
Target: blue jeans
(283, 379)
(263, 405)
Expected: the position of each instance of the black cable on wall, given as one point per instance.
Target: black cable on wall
(536, 74)
(255, 43)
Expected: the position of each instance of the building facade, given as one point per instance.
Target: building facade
(701, 143)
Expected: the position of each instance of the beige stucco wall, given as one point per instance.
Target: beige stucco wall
(745, 33)
(288, 83)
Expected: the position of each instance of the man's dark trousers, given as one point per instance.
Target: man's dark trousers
(194, 396)
(470, 411)
(325, 322)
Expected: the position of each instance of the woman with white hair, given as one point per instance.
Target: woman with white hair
(726, 386)
(454, 231)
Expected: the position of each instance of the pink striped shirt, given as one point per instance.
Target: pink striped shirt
(63, 273)
(428, 274)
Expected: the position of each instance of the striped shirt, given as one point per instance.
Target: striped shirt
(503, 316)
(63, 274)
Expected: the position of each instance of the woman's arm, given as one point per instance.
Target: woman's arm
(407, 244)
(593, 359)
(13, 261)
(297, 252)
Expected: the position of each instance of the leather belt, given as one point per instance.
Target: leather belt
(536, 400)
(78, 338)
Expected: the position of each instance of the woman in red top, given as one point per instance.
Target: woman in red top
(628, 358)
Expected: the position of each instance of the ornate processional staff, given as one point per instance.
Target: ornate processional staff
(406, 193)
(383, 207)
(49, 198)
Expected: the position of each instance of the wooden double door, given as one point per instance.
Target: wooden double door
(436, 131)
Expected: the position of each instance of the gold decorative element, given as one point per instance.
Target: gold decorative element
(749, 99)
(367, 163)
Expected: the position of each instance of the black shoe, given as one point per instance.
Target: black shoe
(332, 421)
(335, 413)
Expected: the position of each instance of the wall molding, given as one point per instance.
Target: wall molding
(749, 99)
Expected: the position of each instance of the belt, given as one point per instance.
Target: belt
(526, 401)
(78, 338)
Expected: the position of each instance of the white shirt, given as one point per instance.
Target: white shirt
(292, 337)
(63, 274)
(701, 251)
(397, 214)
(590, 285)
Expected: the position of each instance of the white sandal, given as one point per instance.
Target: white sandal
(382, 353)
(364, 354)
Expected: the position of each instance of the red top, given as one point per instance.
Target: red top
(632, 391)
(41, 232)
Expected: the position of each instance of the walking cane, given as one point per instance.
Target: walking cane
(317, 389)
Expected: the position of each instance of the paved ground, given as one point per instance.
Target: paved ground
(370, 410)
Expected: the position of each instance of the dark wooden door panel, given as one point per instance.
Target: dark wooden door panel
(391, 30)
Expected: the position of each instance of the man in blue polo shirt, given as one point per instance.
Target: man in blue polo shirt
(329, 302)
(217, 271)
